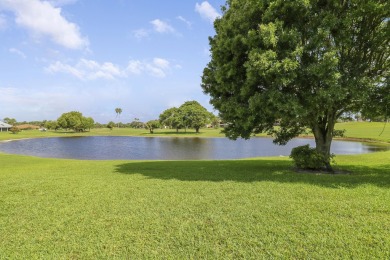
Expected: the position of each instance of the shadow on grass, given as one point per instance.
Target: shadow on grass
(255, 171)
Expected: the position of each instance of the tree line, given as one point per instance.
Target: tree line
(189, 115)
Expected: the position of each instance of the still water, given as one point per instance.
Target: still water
(165, 148)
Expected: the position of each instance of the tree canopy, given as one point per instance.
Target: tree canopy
(191, 114)
(172, 118)
(76, 121)
(299, 63)
(118, 111)
(152, 124)
(194, 115)
(10, 121)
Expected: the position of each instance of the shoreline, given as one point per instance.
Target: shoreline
(147, 135)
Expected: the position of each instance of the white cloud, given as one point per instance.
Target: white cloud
(207, 11)
(181, 18)
(3, 22)
(140, 33)
(60, 67)
(38, 104)
(135, 67)
(87, 70)
(157, 68)
(91, 70)
(155, 71)
(17, 52)
(161, 26)
(161, 63)
(43, 19)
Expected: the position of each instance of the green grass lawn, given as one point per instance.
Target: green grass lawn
(114, 132)
(255, 208)
(60, 209)
(365, 130)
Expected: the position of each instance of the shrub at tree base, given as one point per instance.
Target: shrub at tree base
(305, 157)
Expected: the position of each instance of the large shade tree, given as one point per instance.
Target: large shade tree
(190, 114)
(379, 105)
(76, 121)
(301, 63)
(194, 115)
(172, 118)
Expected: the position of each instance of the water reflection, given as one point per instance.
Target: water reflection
(167, 148)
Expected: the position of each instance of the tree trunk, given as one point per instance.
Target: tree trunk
(323, 134)
(197, 129)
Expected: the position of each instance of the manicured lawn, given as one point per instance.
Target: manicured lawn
(260, 208)
(251, 209)
(366, 130)
(114, 132)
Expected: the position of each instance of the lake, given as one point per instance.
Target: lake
(167, 148)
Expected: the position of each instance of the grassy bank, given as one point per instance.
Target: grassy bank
(355, 130)
(366, 130)
(258, 208)
(114, 132)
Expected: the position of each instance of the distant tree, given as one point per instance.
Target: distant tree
(14, 130)
(10, 121)
(118, 112)
(191, 114)
(110, 125)
(98, 125)
(88, 123)
(152, 124)
(137, 124)
(194, 115)
(52, 125)
(172, 118)
(301, 63)
(75, 120)
(215, 121)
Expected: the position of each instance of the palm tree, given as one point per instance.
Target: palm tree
(118, 112)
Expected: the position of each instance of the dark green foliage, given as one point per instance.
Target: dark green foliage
(339, 133)
(189, 115)
(76, 121)
(378, 109)
(110, 125)
(301, 63)
(10, 121)
(305, 157)
(172, 118)
(152, 124)
(136, 124)
(118, 111)
(194, 115)
(52, 125)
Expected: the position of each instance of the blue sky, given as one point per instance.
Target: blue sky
(92, 56)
